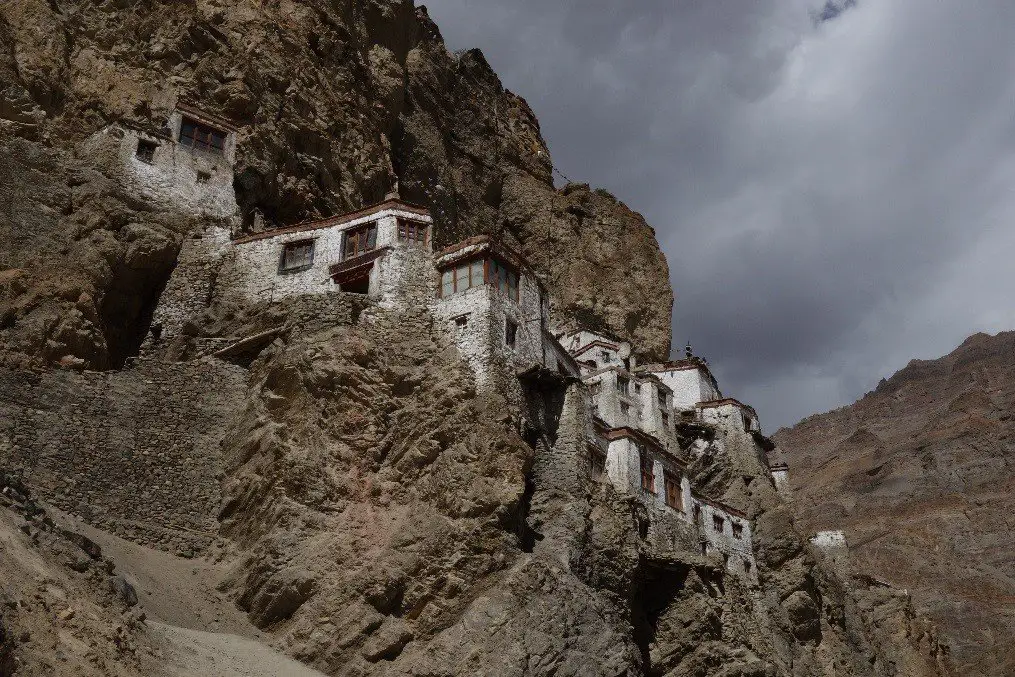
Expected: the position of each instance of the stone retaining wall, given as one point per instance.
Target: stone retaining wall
(135, 451)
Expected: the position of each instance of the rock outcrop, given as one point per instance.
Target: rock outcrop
(378, 512)
(333, 107)
(916, 473)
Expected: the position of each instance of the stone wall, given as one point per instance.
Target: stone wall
(690, 384)
(177, 178)
(135, 452)
(735, 547)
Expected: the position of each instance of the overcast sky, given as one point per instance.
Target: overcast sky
(834, 190)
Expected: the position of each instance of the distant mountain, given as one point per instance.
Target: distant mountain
(919, 475)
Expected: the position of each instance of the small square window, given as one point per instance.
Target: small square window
(203, 177)
(637, 387)
(738, 530)
(605, 357)
(297, 256)
(718, 523)
(510, 333)
(625, 409)
(462, 320)
(412, 232)
(747, 566)
(360, 240)
(146, 151)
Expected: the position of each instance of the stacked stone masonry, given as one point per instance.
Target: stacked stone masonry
(134, 451)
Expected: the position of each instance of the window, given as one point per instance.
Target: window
(597, 460)
(462, 320)
(622, 383)
(605, 357)
(297, 256)
(462, 277)
(747, 421)
(738, 530)
(197, 135)
(747, 566)
(697, 512)
(146, 151)
(666, 419)
(625, 409)
(718, 523)
(661, 396)
(510, 333)
(637, 388)
(503, 278)
(648, 478)
(203, 177)
(412, 232)
(360, 240)
(671, 483)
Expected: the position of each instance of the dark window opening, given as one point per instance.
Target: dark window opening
(662, 398)
(648, 478)
(297, 256)
(605, 357)
(597, 461)
(674, 498)
(510, 333)
(462, 320)
(747, 566)
(146, 151)
(666, 419)
(194, 134)
(637, 387)
(357, 285)
(738, 530)
(747, 422)
(622, 384)
(718, 523)
(412, 232)
(360, 241)
(203, 177)
(625, 409)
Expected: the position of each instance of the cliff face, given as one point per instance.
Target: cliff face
(333, 107)
(918, 474)
(344, 482)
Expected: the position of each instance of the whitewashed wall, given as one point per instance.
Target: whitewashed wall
(689, 385)
(171, 180)
(724, 543)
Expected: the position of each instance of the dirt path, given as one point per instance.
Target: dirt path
(198, 630)
(187, 653)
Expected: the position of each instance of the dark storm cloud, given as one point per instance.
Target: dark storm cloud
(834, 197)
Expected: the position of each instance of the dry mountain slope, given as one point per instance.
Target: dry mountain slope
(919, 474)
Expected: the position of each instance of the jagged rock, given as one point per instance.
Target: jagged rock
(122, 590)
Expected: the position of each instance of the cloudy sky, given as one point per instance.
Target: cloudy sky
(833, 184)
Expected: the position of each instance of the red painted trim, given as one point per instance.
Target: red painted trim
(336, 220)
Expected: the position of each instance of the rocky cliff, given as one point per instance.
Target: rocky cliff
(917, 473)
(341, 490)
(334, 107)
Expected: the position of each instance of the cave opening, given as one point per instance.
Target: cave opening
(657, 587)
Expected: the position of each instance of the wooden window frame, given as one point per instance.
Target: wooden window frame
(409, 231)
(202, 136)
(647, 466)
(672, 492)
(353, 236)
(627, 383)
(288, 246)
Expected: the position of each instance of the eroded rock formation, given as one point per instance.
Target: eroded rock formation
(916, 474)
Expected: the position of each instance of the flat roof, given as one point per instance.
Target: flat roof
(338, 220)
(711, 404)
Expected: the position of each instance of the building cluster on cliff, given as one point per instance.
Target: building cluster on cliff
(644, 424)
